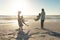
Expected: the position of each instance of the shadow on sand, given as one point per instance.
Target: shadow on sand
(50, 32)
(24, 36)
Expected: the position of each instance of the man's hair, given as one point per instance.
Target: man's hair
(42, 9)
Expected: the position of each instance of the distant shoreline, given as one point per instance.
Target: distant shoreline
(10, 17)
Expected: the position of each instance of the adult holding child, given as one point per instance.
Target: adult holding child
(42, 16)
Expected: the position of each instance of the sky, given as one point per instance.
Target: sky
(29, 7)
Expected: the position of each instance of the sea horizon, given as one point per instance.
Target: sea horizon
(5, 19)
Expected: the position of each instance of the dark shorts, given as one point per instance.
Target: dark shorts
(42, 21)
(20, 24)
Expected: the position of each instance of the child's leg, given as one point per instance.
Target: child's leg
(21, 28)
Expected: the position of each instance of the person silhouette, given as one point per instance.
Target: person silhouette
(42, 16)
(21, 21)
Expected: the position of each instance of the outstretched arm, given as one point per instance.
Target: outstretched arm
(25, 23)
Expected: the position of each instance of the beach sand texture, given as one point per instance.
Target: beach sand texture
(32, 32)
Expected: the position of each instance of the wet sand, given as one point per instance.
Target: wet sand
(51, 31)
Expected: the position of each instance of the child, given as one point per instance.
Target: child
(20, 21)
(38, 17)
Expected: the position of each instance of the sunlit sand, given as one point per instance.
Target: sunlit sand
(51, 30)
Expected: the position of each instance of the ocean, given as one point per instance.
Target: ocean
(5, 19)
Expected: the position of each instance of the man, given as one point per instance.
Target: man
(42, 16)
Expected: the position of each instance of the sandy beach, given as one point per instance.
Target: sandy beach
(32, 32)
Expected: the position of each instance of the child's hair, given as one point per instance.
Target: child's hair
(19, 11)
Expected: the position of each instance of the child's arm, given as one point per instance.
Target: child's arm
(25, 23)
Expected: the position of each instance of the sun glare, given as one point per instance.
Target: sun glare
(21, 6)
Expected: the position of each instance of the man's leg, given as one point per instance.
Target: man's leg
(42, 24)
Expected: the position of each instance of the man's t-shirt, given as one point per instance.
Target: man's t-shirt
(42, 16)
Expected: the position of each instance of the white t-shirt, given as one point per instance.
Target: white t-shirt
(42, 15)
